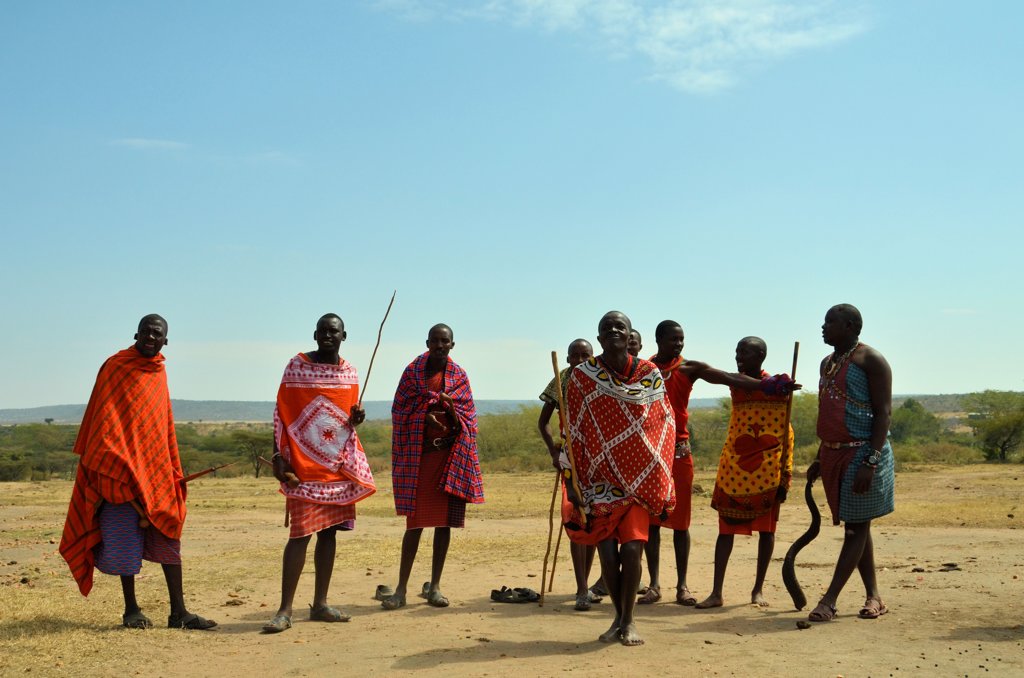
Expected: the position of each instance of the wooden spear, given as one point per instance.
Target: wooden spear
(380, 332)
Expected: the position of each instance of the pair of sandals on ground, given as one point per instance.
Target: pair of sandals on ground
(873, 609)
(187, 621)
(390, 600)
(652, 594)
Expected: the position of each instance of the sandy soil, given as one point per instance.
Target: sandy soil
(963, 622)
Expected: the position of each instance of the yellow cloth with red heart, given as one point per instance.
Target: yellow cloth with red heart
(749, 470)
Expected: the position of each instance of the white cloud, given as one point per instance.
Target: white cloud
(697, 46)
(144, 144)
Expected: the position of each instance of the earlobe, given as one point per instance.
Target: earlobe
(136, 337)
(344, 335)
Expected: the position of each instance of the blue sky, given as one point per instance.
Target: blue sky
(514, 168)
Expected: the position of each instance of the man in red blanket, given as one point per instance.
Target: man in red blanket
(320, 462)
(622, 432)
(434, 466)
(128, 503)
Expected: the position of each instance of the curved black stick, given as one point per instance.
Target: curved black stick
(789, 564)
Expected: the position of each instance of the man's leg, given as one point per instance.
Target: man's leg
(580, 562)
(292, 564)
(681, 546)
(172, 573)
(442, 539)
(632, 570)
(608, 553)
(854, 541)
(765, 547)
(723, 549)
(323, 561)
(410, 544)
(652, 549)
(131, 605)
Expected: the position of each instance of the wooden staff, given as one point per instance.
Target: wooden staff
(786, 451)
(199, 474)
(568, 438)
(551, 529)
(554, 561)
(292, 481)
(380, 332)
(144, 521)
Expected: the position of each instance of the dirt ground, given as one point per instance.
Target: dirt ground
(954, 620)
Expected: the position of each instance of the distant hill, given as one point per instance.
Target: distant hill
(222, 410)
(263, 410)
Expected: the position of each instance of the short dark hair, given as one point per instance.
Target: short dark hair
(441, 326)
(151, 318)
(330, 316)
(850, 314)
(663, 327)
(628, 321)
(758, 342)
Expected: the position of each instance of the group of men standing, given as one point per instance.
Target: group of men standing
(629, 455)
(626, 419)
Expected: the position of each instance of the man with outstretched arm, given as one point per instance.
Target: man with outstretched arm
(753, 478)
(128, 502)
(680, 375)
(621, 428)
(855, 461)
(321, 464)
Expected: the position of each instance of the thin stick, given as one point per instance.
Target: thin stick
(554, 561)
(568, 438)
(786, 451)
(199, 474)
(376, 346)
(551, 529)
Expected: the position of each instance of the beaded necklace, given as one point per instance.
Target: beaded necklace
(832, 369)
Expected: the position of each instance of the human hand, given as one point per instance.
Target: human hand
(357, 415)
(284, 472)
(449, 403)
(813, 471)
(782, 494)
(862, 481)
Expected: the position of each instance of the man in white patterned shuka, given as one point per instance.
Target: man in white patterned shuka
(320, 462)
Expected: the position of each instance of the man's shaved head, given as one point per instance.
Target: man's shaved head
(663, 327)
(330, 316)
(441, 326)
(152, 318)
(849, 313)
(758, 344)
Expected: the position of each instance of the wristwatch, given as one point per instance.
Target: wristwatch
(874, 458)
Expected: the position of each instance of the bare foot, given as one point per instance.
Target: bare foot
(612, 634)
(629, 636)
(757, 598)
(714, 600)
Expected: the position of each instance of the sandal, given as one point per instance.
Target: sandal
(190, 622)
(326, 613)
(873, 609)
(684, 597)
(424, 590)
(599, 589)
(583, 602)
(136, 620)
(822, 613)
(393, 602)
(383, 591)
(435, 599)
(281, 622)
(651, 596)
(507, 595)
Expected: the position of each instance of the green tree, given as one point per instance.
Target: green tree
(911, 421)
(254, 444)
(997, 418)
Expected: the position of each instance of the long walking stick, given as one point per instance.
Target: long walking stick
(551, 529)
(380, 332)
(568, 438)
(554, 561)
(787, 452)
